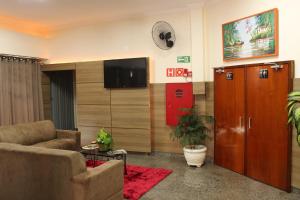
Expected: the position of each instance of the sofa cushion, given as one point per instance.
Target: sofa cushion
(29, 133)
(66, 144)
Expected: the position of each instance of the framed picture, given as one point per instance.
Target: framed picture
(254, 36)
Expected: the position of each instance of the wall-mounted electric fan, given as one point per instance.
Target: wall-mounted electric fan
(163, 35)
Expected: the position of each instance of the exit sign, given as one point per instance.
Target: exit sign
(183, 59)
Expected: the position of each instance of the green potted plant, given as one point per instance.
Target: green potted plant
(294, 112)
(104, 140)
(191, 131)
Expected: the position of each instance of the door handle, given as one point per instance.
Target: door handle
(249, 122)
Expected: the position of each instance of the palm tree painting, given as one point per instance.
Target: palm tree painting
(251, 37)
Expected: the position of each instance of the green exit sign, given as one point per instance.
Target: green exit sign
(183, 59)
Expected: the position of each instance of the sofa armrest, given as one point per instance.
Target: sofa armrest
(101, 183)
(68, 134)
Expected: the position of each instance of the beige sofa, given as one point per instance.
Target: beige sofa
(29, 171)
(40, 134)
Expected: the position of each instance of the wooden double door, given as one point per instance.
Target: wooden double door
(252, 136)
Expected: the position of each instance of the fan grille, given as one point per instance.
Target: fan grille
(162, 27)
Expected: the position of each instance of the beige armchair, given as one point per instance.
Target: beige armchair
(35, 173)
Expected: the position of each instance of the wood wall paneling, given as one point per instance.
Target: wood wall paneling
(209, 110)
(200, 103)
(92, 93)
(124, 116)
(47, 112)
(209, 98)
(161, 140)
(92, 100)
(198, 88)
(89, 133)
(130, 109)
(130, 96)
(93, 115)
(45, 78)
(127, 109)
(90, 72)
(58, 67)
(132, 139)
(46, 95)
(158, 105)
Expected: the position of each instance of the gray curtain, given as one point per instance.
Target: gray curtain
(20, 91)
(62, 99)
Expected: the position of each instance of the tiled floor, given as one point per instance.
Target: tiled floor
(207, 183)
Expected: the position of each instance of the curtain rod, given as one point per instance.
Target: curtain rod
(22, 57)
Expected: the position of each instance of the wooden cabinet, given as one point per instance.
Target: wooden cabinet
(252, 136)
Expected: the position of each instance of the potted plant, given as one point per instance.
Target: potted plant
(191, 131)
(294, 112)
(104, 140)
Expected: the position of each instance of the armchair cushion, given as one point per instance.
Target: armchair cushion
(66, 144)
(67, 134)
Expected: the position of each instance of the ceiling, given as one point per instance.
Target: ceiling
(49, 15)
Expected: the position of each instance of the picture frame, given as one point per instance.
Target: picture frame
(254, 36)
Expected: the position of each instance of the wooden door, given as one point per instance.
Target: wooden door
(229, 117)
(268, 135)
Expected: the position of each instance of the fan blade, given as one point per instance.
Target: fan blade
(162, 35)
(169, 43)
(168, 35)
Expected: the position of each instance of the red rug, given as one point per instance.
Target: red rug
(139, 180)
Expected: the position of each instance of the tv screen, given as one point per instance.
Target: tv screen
(125, 73)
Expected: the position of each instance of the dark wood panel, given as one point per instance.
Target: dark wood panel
(230, 117)
(268, 135)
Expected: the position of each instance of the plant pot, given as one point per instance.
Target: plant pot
(196, 156)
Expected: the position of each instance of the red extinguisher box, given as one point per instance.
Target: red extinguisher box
(178, 96)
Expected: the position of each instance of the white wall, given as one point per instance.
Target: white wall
(219, 12)
(197, 42)
(132, 38)
(21, 44)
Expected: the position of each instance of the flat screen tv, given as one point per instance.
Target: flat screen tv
(125, 73)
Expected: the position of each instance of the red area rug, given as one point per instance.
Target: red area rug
(139, 180)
